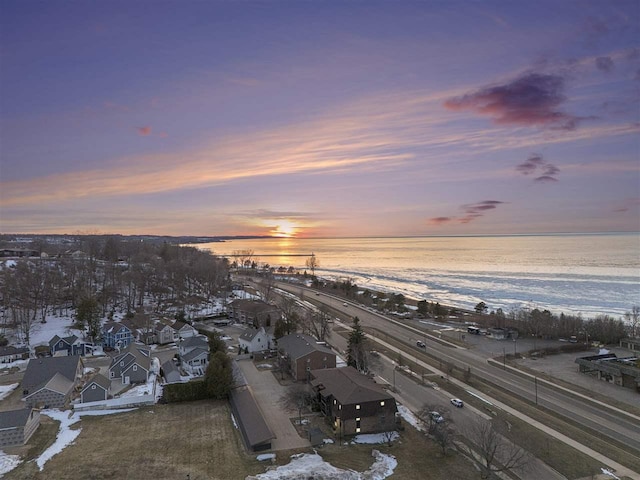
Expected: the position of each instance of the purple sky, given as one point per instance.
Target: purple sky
(319, 118)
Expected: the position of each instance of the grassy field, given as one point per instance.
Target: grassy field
(199, 439)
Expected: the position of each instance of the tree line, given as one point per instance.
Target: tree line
(100, 275)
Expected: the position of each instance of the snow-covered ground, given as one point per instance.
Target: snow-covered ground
(145, 389)
(409, 417)
(8, 462)
(375, 438)
(5, 390)
(312, 465)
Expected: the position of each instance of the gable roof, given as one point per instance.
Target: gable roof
(252, 421)
(253, 306)
(114, 327)
(70, 340)
(348, 385)
(11, 350)
(250, 334)
(298, 345)
(198, 341)
(196, 352)
(169, 367)
(41, 370)
(99, 380)
(133, 353)
(14, 418)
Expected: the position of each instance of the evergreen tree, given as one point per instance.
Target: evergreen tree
(88, 314)
(357, 347)
(219, 376)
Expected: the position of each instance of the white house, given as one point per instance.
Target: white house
(256, 340)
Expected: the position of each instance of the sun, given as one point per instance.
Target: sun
(285, 228)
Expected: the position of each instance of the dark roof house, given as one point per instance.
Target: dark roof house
(353, 402)
(300, 353)
(50, 380)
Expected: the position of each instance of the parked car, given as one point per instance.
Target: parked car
(345, 304)
(421, 344)
(436, 417)
(456, 402)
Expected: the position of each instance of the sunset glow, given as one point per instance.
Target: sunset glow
(301, 119)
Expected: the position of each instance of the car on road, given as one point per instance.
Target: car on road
(421, 344)
(456, 402)
(436, 417)
(345, 304)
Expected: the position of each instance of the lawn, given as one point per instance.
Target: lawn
(198, 439)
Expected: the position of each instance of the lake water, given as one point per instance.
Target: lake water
(587, 274)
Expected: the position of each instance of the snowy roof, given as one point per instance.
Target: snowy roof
(348, 385)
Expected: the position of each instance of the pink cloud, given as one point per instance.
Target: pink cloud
(144, 131)
(532, 99)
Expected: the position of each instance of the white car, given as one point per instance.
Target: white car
(456, 402)
(436, 417)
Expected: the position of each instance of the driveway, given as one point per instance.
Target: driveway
(267, 392)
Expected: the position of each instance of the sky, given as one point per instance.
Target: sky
(319, 119)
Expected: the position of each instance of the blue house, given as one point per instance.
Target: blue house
(116, 335)
(71, 345)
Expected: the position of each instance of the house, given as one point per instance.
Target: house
(50, 381)
(257, 340)
(132, 365)
(10, 353)
(196, 360)
(70, 345)
(183, 330)
(98, 388)
(254, 312)
(170, 372)
(255, 432)
(299, 354)
(164, 333)
(621, 371)
(116, 335)
(194, 354)
(353, 402)
(199, 341)
(17, 426)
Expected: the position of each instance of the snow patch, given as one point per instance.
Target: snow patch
(66, 436)
(375, 438)
(8, 462)
(312, 465)
(5, 390)
(409, 417)
(266, 456)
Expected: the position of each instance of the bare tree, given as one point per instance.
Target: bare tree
(244, 258)
(290, 314)
(312, 263)
(632, 318)
(266, 286)
(317, 323)
(296, 398)
(432, 415)
(490, 450)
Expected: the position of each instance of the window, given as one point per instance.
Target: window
(135, 368)
(122, 364)
(357, 407)
(93, 387)
(339, 407)
(382, 403)
(357, 425)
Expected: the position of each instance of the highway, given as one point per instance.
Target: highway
(618, 426)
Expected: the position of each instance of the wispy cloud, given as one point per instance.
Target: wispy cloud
(604, 64)
(531, 99)
(535, 163)
(471, 212)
